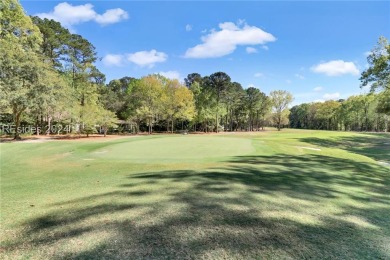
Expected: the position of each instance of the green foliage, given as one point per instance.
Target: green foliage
(155, 97)
(115, 96)
(55, 39)
(147, 93)
(177, 102)
(204, 105)
(25, 75)
(88, 119)
(217, 83)
(280, 99)
(383, 105)
(106, 120)
(357, 113)
(193, 78)
(378, 74)
(257, 105)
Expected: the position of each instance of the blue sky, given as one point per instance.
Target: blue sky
(315, 50)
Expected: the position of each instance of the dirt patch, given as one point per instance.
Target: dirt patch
(384, 163)
(35, 140)
(44, 138)
(25, 140)
(309, 148)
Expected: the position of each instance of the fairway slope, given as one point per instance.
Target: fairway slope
(241, 196)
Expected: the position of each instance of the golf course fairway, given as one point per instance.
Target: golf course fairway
(291, 194)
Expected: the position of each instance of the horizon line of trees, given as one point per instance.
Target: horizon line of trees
(369, 112)
(357, 113)
(48, 77)
(209, 103)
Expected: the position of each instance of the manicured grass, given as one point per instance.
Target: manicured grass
(260, 195)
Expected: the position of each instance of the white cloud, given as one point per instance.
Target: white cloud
(318, 89)
(225, 41)
(172, 74)
(329, 96)
(336, 68)
(111, 16)
(252, 86)
(251, 50)
(113, 60)
(299, 76)
(188, 27)
(259, 75)
(288, 81)
(265, 47)
(147, 58)
(69, 15)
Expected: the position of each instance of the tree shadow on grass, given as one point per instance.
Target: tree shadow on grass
(375, 146)
(256, 207)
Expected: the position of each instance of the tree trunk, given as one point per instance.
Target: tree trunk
(37, 126)
(216, 123)
(17, 125)
(216, 118)
(230, 121)
(48, 125)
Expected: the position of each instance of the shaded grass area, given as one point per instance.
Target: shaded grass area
(376, 146)
(310, 205)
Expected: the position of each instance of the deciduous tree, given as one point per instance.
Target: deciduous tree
(280, 100)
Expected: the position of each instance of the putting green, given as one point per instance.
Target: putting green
(177, 149)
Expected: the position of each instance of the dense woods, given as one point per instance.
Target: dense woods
(357, 113)
(49, 80)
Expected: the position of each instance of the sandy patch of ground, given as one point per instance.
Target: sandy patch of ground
(39, 140)
(309, 148)
(384, 163)
(44, 138)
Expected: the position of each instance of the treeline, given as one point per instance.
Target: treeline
(209, 103)
(48, 79)
(357, 113)
(48, 76)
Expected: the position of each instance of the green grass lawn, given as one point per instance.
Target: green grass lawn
(268, 195)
